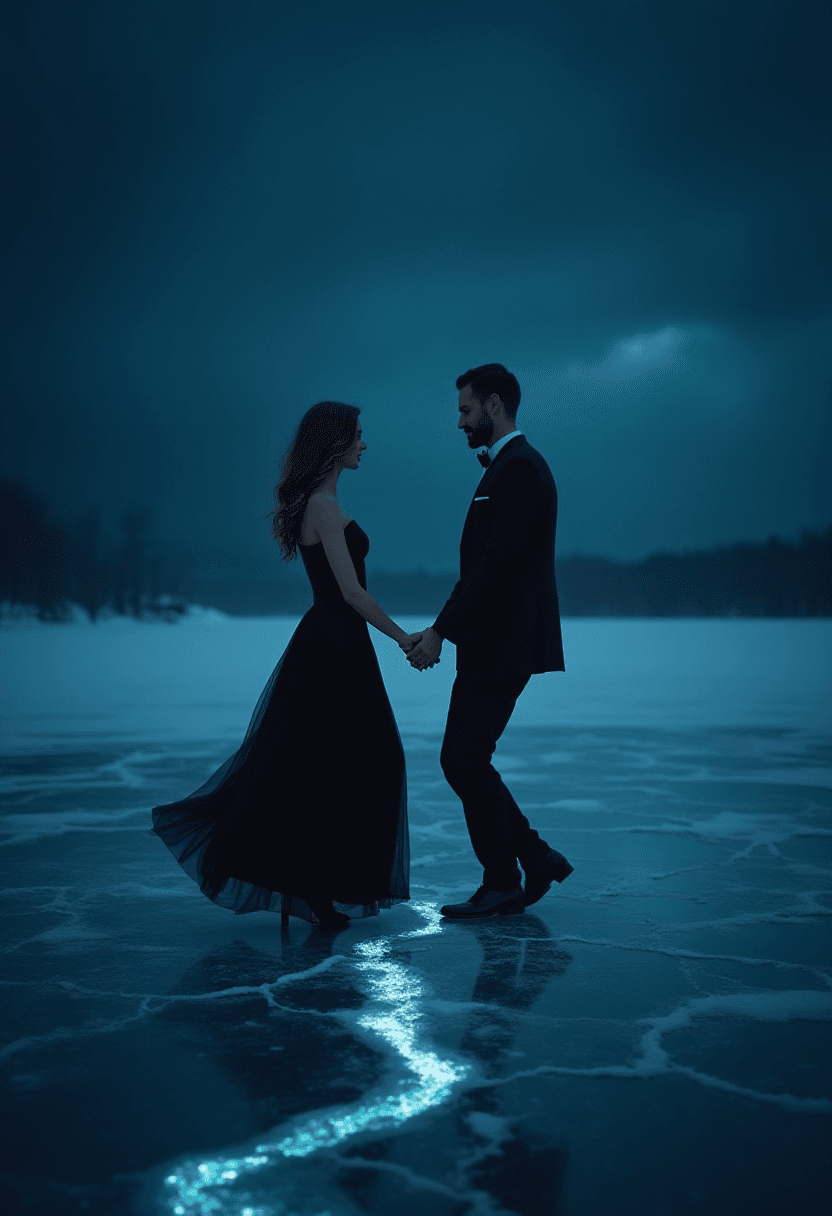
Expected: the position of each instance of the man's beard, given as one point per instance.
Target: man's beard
(480, 435)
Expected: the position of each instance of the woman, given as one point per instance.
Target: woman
(313, 807)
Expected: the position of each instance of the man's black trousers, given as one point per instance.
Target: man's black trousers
(501, 835)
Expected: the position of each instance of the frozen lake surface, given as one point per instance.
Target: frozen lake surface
(652, 1040)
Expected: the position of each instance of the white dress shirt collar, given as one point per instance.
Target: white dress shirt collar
(501, 443)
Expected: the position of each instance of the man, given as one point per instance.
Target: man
(503, 617)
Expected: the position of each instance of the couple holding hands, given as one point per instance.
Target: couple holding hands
(311, 811)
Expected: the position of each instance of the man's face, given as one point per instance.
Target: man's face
(474, 419)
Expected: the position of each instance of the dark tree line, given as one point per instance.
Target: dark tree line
(413, 591)
(46, 566)
(777, 578)
(774, 579)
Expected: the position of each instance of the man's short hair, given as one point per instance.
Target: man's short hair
(492, 378)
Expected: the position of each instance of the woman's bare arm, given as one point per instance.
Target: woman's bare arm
(324, 517)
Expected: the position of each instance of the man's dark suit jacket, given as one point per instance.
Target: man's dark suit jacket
(503, 613)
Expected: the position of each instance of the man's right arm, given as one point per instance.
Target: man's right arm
(503, 555)
(446, 607)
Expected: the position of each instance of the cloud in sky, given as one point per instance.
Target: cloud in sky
(636, 355)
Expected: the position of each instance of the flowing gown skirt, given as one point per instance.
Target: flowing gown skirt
(315, 800)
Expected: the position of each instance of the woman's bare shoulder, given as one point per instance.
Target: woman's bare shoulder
(322, 504)
(324, 507)
(324, 514)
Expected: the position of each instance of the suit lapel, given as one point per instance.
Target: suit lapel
(485, 480)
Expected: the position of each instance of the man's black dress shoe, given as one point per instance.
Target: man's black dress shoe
(486, 903)
(553, 868)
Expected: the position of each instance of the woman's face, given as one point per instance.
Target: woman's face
(352, 458)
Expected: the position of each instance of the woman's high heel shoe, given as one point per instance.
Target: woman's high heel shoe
(326, 915)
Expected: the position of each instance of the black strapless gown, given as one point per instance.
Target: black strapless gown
(315, 800)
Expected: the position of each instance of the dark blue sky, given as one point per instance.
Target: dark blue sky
(222, 212)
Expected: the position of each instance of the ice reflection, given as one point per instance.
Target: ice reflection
(520, 957)
(395, 993)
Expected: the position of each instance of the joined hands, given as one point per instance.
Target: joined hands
(422, 649)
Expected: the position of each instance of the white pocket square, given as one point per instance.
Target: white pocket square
(483, 499)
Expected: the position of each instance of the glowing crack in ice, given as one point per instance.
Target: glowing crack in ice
(394, 986)
(396, 1009)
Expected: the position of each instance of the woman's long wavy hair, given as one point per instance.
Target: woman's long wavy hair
(324, 436)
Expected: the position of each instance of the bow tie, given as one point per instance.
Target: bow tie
(484, 459)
